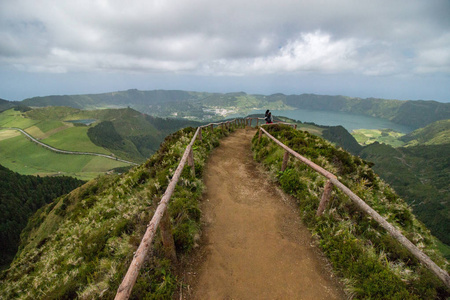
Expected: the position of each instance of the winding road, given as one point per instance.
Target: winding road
(65, 151)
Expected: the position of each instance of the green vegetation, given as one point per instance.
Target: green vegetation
(372, 264)
(74, 139)
(421, 175)
(25, 157)
(434, 134)
(80, 246)
(385, 136)
(136, 137)
(20, 197)
(14, 118)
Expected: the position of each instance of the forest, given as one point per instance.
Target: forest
(20, 197)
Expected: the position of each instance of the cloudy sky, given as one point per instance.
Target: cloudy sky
(396, 49)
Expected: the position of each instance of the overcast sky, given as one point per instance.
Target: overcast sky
(385, 48)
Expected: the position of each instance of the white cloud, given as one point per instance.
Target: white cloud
(234, 37)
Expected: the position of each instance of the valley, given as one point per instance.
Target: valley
(414, 163)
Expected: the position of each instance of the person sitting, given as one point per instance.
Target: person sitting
(268, 118)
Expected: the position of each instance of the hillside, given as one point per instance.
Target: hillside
(371, 262)
(125, 133)
(20, 197)
(85, 241)
(436, 133)
(206, 106)
(421, 175)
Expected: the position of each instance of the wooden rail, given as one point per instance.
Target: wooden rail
(332, 180)
(161, 218)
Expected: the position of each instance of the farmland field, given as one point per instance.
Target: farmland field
(25, 157)
(74, 139)
(386, 136)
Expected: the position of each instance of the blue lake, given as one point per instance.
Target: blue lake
(332, 118)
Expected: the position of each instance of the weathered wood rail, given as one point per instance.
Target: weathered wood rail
(161, 219)
(333, 181)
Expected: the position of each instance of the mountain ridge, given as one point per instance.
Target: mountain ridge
(198, 105)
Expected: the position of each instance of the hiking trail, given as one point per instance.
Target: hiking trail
(253, 244)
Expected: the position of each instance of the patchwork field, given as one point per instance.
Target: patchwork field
(386, 136)
(25, 157)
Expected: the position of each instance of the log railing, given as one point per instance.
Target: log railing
(333, 181)
(160, 217)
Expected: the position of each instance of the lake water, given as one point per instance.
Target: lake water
(332, 118)
(85, 121)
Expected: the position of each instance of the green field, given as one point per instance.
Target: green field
(25, 157)
(12, 118)
(74, 139)
(385, 136)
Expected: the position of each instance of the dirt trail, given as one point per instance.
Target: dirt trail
(255, 246)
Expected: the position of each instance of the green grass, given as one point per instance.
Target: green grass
(49, 125)
(12, 118)
(445, 249)
(85, 241)
(373, 265)
(25, 157)
(385, 136)
(74, 139)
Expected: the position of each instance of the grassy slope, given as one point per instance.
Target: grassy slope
(421, 175)
(25, 157)
(436, 133)
(48, 125)
(372, 263)
(82, 244)
(74, 139)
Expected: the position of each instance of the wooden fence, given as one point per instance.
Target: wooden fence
(333, 181)
(161, 219)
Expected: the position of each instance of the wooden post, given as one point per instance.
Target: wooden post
(200, 134)
(295, 126)
(260, 134)
(167, 237)
(257, 121)
(211, 127)
(191, 162)
(222, 127)
(325, 198)
(285, 161)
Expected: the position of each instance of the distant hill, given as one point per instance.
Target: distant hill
(203, 106)
(20, 197)
(5, 104)
(434, 134)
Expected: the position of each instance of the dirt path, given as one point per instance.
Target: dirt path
(255, 246)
